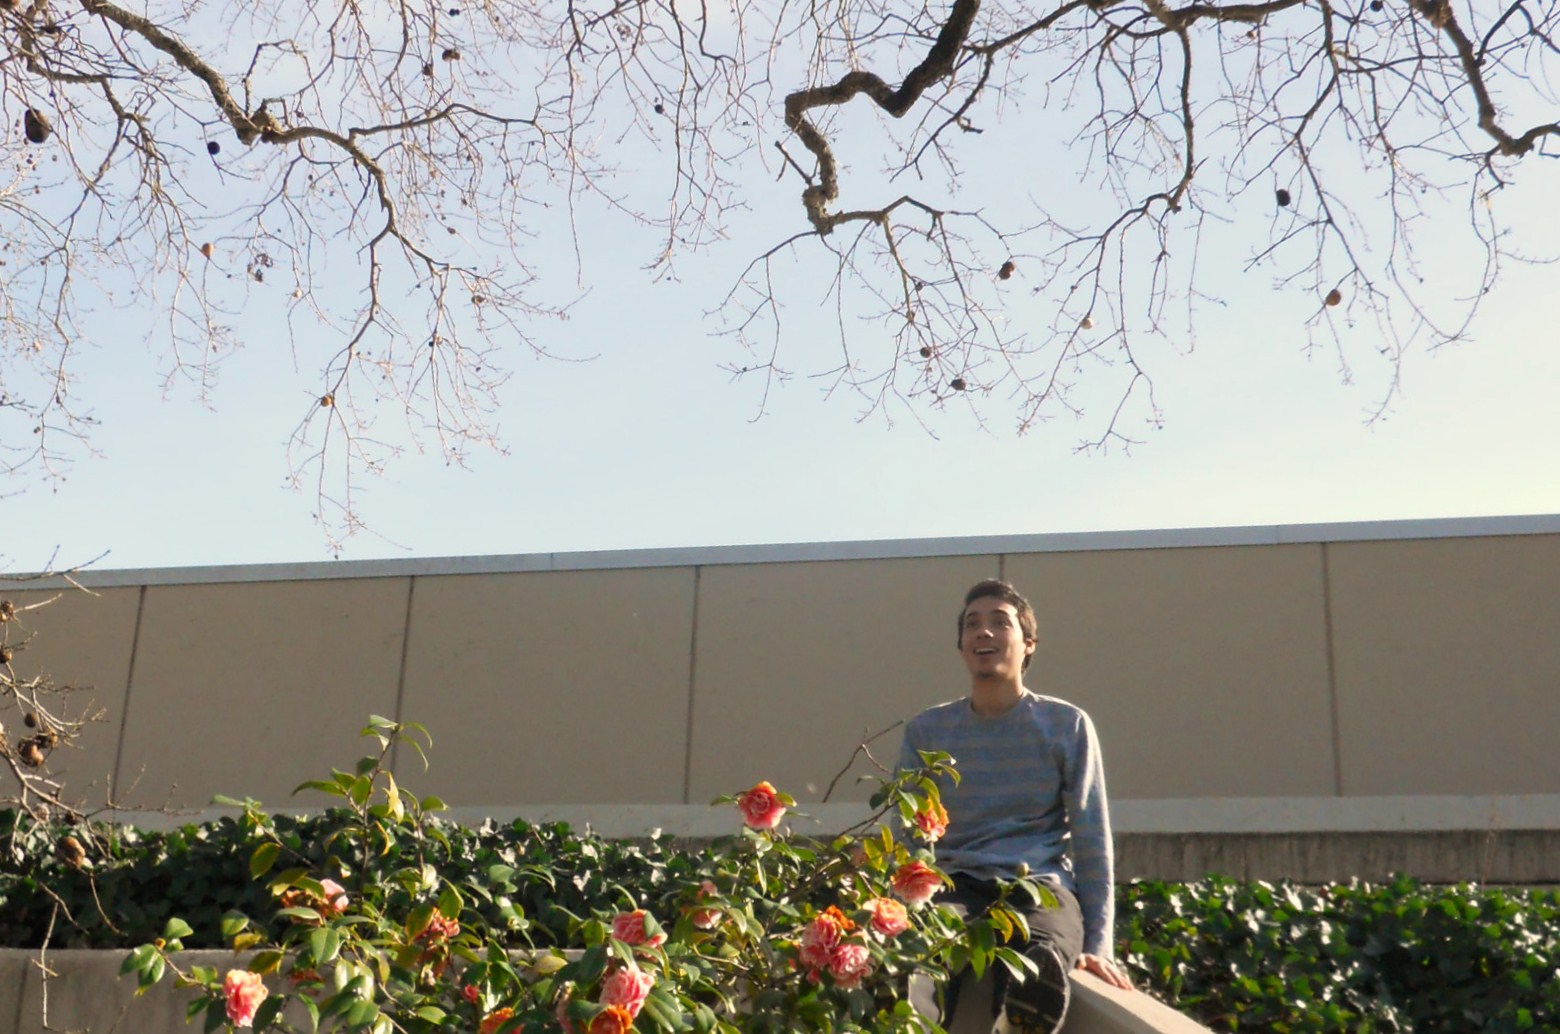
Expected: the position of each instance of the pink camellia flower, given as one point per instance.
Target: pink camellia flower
(821, 936)
(761, 807)
(916, 882)
(849, 963)
(626, 988)
(472, 993)
(336, 899)
(244, 992)
(889, 917)
(629, 927)
(705, 918)
(932, 821)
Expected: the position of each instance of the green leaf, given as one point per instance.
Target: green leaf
(176, 928)
(361, 1013)
(137, 960)
(450, 902)
(263, 858)
(393, 798)
(216, 1016)
(268, 1011)
(322, 785)
(417, 919)
(265, 961)
(298, 912)
(324, 944)
(233, 923)
(431, 1013)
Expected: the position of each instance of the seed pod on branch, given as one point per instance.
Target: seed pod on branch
(36, 125)
(71, 852)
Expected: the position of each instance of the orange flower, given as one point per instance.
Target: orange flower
(243, 992)
(821, 936)
(705, 918)
(889, 917)
(916, 882)
(439, 929)
(495, 1020)
(614, 1019)
(761, 807)
(932, 820)
(629, 927)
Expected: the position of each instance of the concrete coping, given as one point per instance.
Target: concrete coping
(792, 552)
(1244, 815)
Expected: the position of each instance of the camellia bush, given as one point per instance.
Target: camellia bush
(352, 884)
(385, 929)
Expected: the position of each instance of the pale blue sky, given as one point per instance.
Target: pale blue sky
(650, 444)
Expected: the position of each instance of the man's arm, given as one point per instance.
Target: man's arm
(1094, 870)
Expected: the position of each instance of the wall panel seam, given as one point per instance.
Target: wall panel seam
(693, 670)
(400, 676)
(124, 712)
(1332, 671)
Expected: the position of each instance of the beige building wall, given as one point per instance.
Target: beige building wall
(1204, 669)
(1448, 665)
(1227, 664)
(796, 664)
(560, 687)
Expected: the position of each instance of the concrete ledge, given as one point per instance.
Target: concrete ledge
(1199, 815)
(790, 552)
(86, 995)
(1510, 839)
(1096, 1008)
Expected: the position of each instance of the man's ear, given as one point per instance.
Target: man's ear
(1029, 647)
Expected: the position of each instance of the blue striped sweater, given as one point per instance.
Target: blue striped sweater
(1032, 789)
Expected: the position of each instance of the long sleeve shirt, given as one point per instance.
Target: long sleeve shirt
(1031, 790)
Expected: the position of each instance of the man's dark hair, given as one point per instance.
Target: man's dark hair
(1004, 591)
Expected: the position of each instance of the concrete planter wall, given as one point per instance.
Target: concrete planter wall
(86, 995)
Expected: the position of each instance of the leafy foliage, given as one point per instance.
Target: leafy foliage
(1241, 956)
(387, 922)
(1398, 956)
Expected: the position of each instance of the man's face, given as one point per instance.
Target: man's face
(991, 641)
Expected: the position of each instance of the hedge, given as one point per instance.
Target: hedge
(1239, 956)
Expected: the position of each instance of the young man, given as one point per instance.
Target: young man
(1032, 794)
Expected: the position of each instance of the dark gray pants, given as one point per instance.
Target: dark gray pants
(1058, 929)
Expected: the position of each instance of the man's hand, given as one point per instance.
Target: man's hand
(1106, 970)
